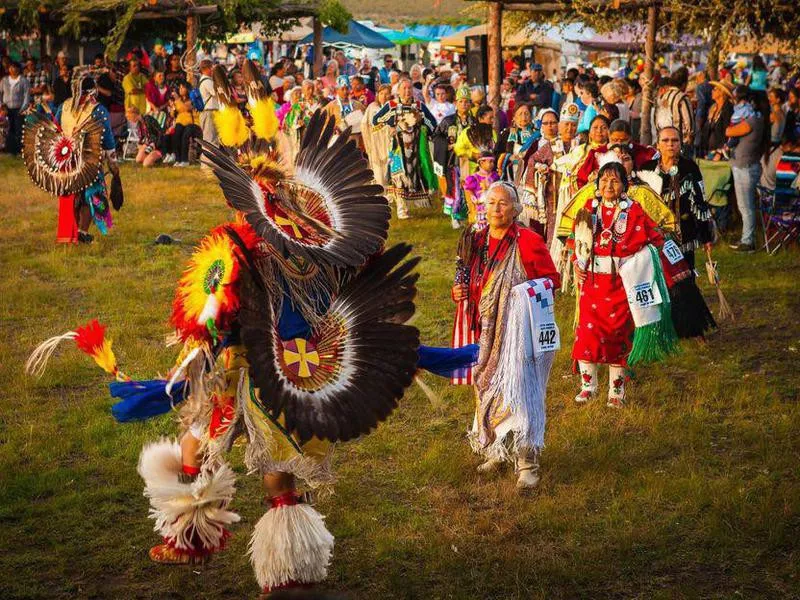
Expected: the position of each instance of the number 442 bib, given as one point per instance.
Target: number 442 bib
(547, 338)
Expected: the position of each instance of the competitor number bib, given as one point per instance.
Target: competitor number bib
(644, 294)
(547, 337)
(672, 252)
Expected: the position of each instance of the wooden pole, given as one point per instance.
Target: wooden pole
(648, 88)
(192, 25)
(317, 48)
(495, 43)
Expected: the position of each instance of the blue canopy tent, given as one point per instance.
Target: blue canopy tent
(422, 34)
(357, 35)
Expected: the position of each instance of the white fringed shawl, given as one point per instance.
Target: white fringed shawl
(523, 369)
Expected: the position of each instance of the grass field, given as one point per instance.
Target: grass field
(693, 491)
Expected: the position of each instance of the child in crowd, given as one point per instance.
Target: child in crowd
(147, 153)
(742, 110)
(46, 105)
(476, 185)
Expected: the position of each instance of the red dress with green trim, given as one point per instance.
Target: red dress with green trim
(605, 326)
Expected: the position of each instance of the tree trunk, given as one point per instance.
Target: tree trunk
(318, 48)
(646, 136)
(192, 26)
(495, 43)
(713, 54)
(43, 34)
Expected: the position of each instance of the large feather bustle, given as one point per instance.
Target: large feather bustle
(62, 165)
(331, 191)
(186, 511)
(368, 355)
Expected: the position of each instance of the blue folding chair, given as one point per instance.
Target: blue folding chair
(780, 208)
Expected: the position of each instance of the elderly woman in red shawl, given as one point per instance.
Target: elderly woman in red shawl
(492, 261)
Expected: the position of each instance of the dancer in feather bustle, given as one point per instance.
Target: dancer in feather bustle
(65, 155)
(292, 320)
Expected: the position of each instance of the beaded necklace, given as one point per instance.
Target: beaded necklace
(619, 222)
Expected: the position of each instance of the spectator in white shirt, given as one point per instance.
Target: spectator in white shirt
(210, 102)
(15, 93)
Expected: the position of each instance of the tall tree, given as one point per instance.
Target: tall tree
(114, 20)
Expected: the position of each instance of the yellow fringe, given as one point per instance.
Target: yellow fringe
(231, 126)
(265, 122)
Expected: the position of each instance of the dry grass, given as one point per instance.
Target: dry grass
(693, 491)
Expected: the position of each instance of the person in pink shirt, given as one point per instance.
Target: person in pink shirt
(157, 92)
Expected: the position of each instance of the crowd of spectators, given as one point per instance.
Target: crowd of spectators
(748, 116)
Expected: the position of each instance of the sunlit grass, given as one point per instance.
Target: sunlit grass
(691, 491)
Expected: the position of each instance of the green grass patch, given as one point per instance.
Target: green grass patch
(692, 491)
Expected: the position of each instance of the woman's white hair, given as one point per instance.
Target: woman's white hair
(510, 190)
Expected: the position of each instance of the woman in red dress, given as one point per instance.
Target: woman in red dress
(611, 228)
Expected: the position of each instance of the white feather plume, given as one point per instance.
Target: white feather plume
(37, 361)
(652, 179)
(210, 309)
(290, 543)
(183, 510)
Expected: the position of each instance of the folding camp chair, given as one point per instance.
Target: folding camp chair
(130, 147)
(780, 208)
